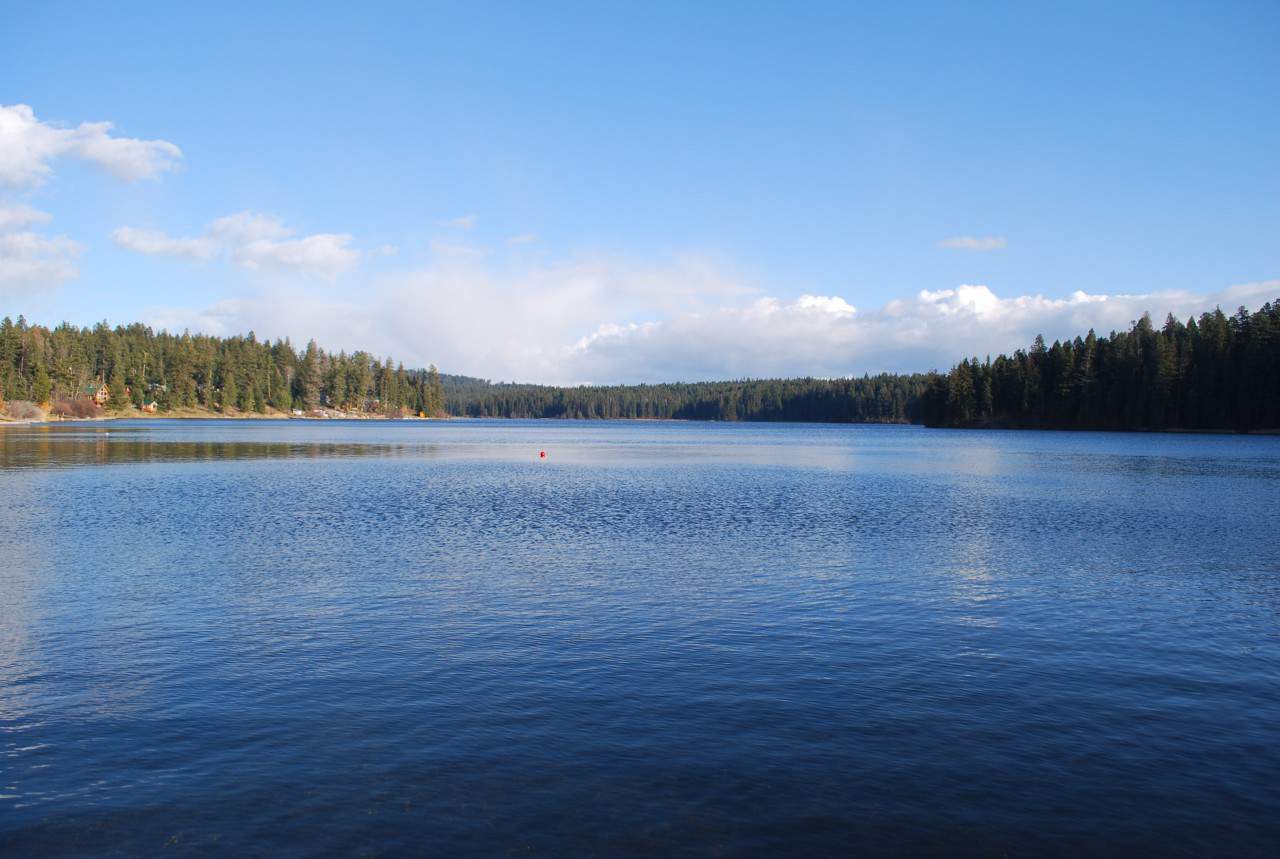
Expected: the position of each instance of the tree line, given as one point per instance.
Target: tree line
(885, 398)
(1214, 373)
(54, 367)
(194, 371)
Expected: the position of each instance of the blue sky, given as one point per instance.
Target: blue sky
(610, 192)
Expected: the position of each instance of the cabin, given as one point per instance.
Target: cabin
(149, 406)
(96, 391)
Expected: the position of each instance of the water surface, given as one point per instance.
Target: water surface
(308, 638)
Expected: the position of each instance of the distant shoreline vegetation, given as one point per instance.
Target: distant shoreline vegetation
(1219, 373)
(885, 398)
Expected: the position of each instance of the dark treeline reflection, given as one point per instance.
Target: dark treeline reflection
(51, 449)
(1215, 373)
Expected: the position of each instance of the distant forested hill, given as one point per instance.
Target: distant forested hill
(871, 399)
(1217, 373)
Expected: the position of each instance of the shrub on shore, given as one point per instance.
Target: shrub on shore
(80, 408)
(24, 410)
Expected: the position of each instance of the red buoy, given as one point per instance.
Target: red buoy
(542, 454)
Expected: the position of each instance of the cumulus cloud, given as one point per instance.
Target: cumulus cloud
(324, 254)
(974, 243)
(29, 145)
(15, 216)
(30, 262)
(158, 244)
(252, 241)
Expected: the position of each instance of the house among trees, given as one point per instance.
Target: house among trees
(96, 391)
(149, 405)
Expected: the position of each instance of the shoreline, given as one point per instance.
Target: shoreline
(199, 415)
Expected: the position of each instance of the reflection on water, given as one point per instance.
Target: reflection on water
(378, 638)
(77, 444)
(58, 447)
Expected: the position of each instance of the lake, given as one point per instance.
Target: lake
(327, 638)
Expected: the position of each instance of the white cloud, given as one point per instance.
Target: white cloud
(28, 146)
(158, 244)
(15, 216)
(253, 241)
(975, 243)
(30, 262)
(465, 222)
(324, 254)
(522, 239)
(248, 227)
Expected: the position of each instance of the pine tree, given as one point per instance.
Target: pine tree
(435, 401)
(120, 392)
(961, 398)
(230, 390)
(41, 385)
(309, 377)
(245, 397)
(281, 395)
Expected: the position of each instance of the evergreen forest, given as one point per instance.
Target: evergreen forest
(176, 372)
(1216, 373)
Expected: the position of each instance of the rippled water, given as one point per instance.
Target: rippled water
(304, 638)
